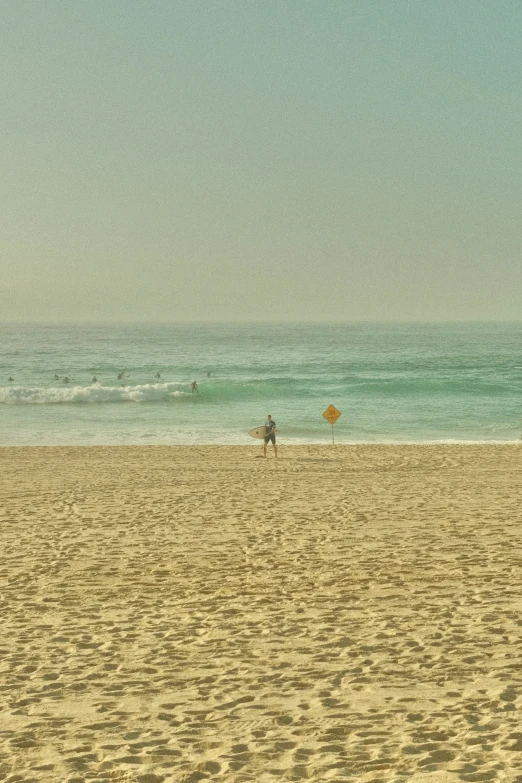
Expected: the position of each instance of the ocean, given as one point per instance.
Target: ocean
(393, 383)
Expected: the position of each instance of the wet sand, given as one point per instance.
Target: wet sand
(180, 614)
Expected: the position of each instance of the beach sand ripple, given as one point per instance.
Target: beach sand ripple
(176, 614)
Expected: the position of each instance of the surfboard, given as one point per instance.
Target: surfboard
(258, 432)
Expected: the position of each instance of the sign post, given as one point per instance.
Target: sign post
(331, 414)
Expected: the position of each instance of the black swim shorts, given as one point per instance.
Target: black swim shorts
(270, 438)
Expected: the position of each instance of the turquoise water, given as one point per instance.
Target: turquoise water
(392, 382)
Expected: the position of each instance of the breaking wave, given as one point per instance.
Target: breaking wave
(96, 393)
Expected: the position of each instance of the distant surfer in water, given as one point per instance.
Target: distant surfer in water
(56, 377)
(194, 387)
(157, 375)
(10, 379)
(94, 379)
(120, 375)
(270, 429)
(66, 379)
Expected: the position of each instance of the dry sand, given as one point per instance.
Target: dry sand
(182, 614)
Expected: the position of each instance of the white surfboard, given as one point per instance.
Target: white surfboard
(258, 432)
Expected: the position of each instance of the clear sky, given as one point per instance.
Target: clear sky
(268, 160)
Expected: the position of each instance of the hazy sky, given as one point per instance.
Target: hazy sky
(261, 160)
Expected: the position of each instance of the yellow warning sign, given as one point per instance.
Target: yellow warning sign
(331, 414)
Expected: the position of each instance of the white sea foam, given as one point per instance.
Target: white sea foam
(96, 393)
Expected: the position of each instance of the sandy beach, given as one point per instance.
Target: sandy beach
(177, 614)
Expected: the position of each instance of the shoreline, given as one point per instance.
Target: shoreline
(176, 613)
(322, 444)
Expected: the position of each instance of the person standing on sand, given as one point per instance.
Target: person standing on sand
(270, 429)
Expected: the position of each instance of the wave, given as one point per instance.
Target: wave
(96, 393)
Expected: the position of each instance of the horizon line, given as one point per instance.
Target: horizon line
(213, 322)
